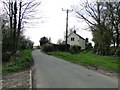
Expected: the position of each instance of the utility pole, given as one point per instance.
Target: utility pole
(67, 11)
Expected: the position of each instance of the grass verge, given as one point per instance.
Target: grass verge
(21, 62)
(88, 59)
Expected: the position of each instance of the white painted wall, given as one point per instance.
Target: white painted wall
(82, 43)
(77, 40)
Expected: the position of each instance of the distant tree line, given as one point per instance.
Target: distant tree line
(48, 46)
(104, 22)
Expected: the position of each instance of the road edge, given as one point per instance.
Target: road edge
(30, 79)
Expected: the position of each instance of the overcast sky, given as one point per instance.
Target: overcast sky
(54, 21)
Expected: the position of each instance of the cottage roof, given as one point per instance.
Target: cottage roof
(76, 34)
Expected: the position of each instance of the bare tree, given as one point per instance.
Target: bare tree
(19, 12)
(101, 23)
(114, 16)
(59, 41)
(15, 23)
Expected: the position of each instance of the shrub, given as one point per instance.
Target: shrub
(112, 51)
(115, 51)
(118, 52)
(55, 47)
(75, 49)
(21, 62)
(88, 46)
(61, 47)
(6, 56)
(47, 48)
(38, 47)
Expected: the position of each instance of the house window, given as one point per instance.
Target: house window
(72, 39)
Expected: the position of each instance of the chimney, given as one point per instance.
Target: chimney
(74, 31)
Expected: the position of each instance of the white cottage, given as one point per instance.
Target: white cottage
(75, 39)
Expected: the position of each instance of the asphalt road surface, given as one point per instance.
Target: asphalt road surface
(51, 72)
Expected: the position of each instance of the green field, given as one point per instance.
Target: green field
(21, 62)
(87, 58)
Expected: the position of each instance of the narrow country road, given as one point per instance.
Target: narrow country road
(51, 72)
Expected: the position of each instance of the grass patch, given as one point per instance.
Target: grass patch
(87, 58)
(0, 68)
(21, 62)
